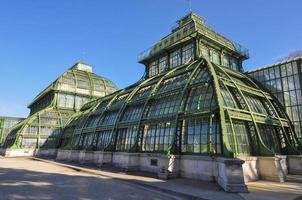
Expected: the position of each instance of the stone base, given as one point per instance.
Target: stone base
(230, 175)
(95, 157)
(18, 152)
(126, 161)
(227, 172)
(28, 152)
(50, 153)
(271, 169)
(294, 164)
(250, 169)
(198, 167)
(165, 166)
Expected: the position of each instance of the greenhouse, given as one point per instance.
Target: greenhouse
(193, 100)
(193, 114)
(196, 108)
(54, 106)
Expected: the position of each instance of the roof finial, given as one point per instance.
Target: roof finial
(190, 5)
(83, 56)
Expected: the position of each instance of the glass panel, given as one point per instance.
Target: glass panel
(187, 53)
(126, 138)
(103, 139)
(164, 105)
(215, 57)
(153, 68)
(158, 137)
(175, 58)
(163, 64)
(201, 99)
(205, 52)
(226, 62)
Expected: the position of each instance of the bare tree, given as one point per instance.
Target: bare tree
(292, 54)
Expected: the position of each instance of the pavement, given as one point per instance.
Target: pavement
(166, 189)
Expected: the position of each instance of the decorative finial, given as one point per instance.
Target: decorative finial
(190, 5)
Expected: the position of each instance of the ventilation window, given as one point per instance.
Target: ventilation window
(153, 162)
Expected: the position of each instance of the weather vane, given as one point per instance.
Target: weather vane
(190, 5)
(83, 55)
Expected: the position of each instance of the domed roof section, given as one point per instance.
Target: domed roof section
(230, 113)
(80, 80)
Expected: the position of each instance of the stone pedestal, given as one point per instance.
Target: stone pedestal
(230, 175)
(250, 168)
(294, 164)
(271, 168)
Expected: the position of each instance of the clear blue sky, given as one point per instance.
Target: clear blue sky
(41, 39)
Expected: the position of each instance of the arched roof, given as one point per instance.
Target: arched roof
(81, 82)
(237, 115)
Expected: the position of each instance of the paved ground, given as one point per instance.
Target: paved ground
(25, 178)
(28, 179)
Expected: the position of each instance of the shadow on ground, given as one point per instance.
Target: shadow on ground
(26, 184)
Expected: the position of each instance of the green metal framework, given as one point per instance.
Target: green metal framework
(189, 102)
(6, 125)
(196, 108)
(283, 80)
(53, 107)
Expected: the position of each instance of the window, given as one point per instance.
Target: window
(163, 64)
(173, 83)
(201, 99)
(92, 121)
(234, 64)
(205, 52)
(109, 118)
(86, 141)
(187, 53)
(215, 57)
(175, 58)
(227, 97)
(103, 139)
(164, 105)
(153, 70)
(126, 138)
(158, 137)
(200, 135)
(133, 113)
(226, 62)
(66, 101)
(80, 101)
(240, 134)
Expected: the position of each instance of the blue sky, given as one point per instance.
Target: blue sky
(41, 39)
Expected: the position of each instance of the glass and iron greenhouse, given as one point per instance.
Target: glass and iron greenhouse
(193, 100)
(54, 106)
(283, 79)
(194, 114)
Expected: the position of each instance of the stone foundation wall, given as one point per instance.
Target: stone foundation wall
(46, 153)
(227, 172)
(199, 167)
(28, 152)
